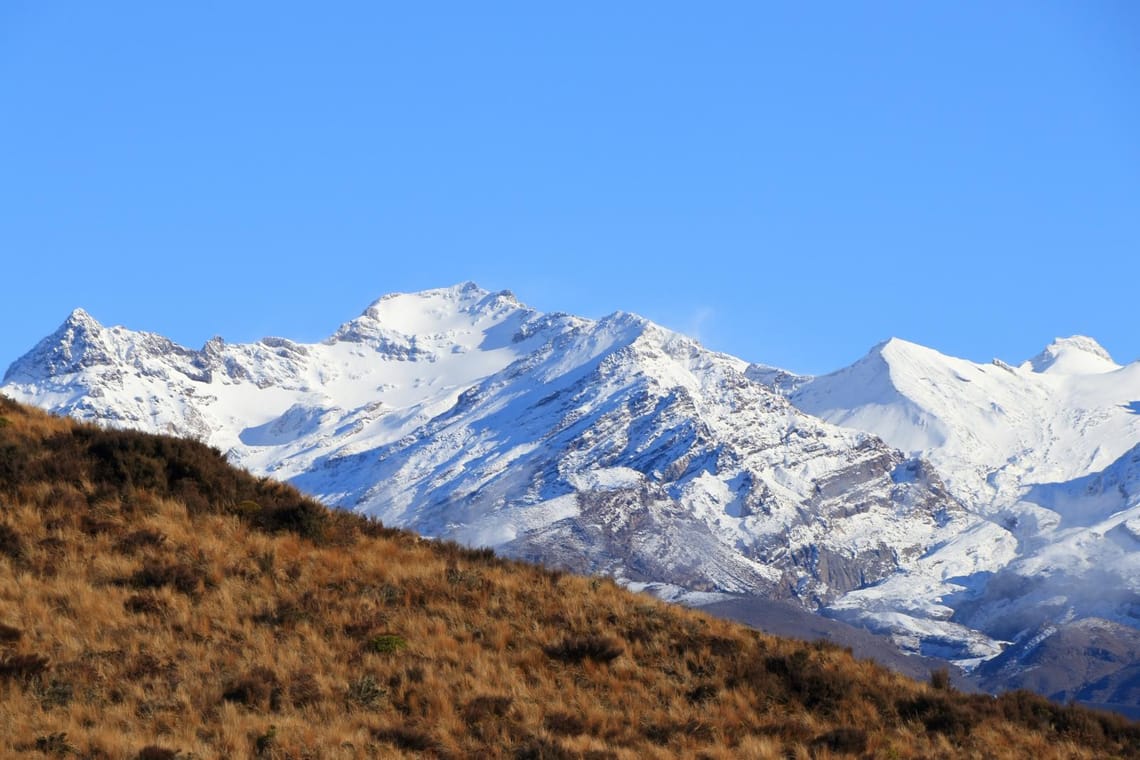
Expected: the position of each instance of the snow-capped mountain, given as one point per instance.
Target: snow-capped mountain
(992, 428)
(964, 509)
(611, 445)
(1048, 451)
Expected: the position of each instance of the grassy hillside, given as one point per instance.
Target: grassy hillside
(155, 603)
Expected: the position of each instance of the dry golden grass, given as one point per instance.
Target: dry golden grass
(154, 603)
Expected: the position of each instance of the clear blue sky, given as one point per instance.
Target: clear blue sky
(791, 182)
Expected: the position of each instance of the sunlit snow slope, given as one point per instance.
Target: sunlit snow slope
(611, 445)
(1047, 450)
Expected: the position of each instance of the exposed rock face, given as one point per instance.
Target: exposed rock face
(1049, 452)
(607, 446)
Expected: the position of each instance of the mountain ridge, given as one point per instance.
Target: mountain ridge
(897, 493)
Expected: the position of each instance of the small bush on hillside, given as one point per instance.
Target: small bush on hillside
(52, 692)
(146, 604)
(264, 742)
(664, 732)
(303, 517)
(577, 648)
(845, 740)
(156, 574)
(405, 737)
(939, 714)
(22, 667)
(187, 576)
(486, 708)
(702, 693)
(9, 635)
(11, 544)
(155, 752)
(564, 724)
(387, 643)
(304, 689)
(365, 692)
(817, 686)
(140, 539)
(15, 465)
(55, 744)
(97, 526)
(257, 689)
(538, 748)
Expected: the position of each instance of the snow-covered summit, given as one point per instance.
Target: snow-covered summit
(609, 445)
(1075, 355)
(992, 429)
(82, 344)
(454, 313)
(1045, 451)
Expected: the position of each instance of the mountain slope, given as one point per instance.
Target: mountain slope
(156, 603)
(1049, 451)
(958, 508)
(991, 429)
(610, 445)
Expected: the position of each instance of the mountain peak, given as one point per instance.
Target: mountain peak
(80, 318)
(895, 346)
(435, 312)
(79, 341)
(1075, 355)
(406, 312)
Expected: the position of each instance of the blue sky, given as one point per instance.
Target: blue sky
(790, 182)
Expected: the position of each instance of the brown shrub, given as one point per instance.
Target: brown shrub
(810, 682)
(564, 724)
(11, 544)
(180, 576)
(844, 740)
(304, 689)
(538, 748)
(22, 667)
(365, 692)
(146, 665)
(702, 693)
(405, 737)
(146, 604)
(140, 539)
(55, 745)
(155, 752)
(302, 516)
(591, 647)
(940, 714)
(486, 708)
(9, 635)
(53, 692)
(257, 689)
(96, 526)
(664, 732)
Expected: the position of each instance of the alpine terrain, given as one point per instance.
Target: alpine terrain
(979, 513)
(159, 604)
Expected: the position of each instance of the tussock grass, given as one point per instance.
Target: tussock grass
(156, 603)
